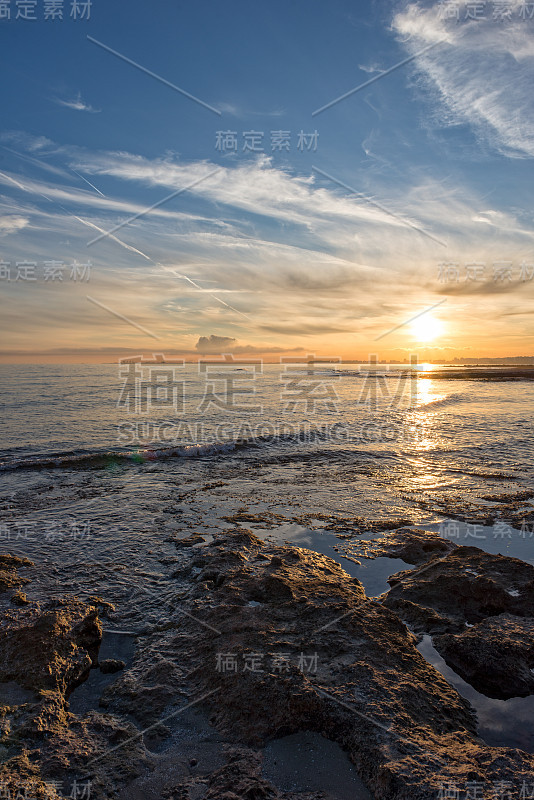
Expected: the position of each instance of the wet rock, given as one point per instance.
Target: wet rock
(111, 665)
(360, 524)
(49, 648)
(413, 546)
(187, 541)
(19, 599)
(21, 778)
(467, 585)
(105, 609)
(264, 518)
(146, 689)
(491, 594)
(9, 576)
(496, 656)
(318, 655)
(100, 747)
(239, 779)
(422, 619)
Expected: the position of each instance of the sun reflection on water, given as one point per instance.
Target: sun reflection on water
(424, 474)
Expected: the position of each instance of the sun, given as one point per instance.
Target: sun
(426, 328)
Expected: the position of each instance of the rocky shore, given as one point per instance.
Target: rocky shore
(264, 642)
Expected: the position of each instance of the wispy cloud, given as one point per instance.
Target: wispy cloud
(331, 269)
(253, 186)
(370, 68)
(77, 104)
(235, 110)
(315, 216)
(482, 74)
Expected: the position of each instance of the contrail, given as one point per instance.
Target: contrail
(88, 182)
(115, 238)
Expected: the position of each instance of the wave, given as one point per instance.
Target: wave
(99, 459)
(442, 402)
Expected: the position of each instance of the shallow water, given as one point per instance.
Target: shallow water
(501, 723)
(85, 697)
(502, 540)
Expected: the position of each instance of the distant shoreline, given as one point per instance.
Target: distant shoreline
(479, 373)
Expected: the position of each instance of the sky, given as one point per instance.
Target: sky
(299, 177)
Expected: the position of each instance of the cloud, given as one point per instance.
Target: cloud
(252, 186)
(370, 69)
(333, 269)
(74, 197)
(27, 141)
(77, 105)
(313, 211)
(111, 354)
(241, 113)
(218, 345)
(306, 329)
(12, 224)
(481, 74)
(211, 345)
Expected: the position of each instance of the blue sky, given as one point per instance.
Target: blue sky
(323, 249)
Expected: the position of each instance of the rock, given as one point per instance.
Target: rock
(105, 609)
(47, 651)
(323, 657)
(240, 778)
(21, 779)
(9, 576)
(111, 665)
(467, 585)
(145, 690)
(49, 648)
(188, 541)
(494, 596)
(496, 656)
(413, 546)
(422, 619)
(19, 599)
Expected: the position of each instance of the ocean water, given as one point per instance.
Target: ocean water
(101, 471)
(336, 442)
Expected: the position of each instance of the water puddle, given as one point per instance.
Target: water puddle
(372, 572)
(501, 723)
(86, 696)
(307, 762)
(500, 539)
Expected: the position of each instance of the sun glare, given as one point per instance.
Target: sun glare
(426, 328)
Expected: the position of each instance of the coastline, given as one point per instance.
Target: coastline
(324, 565)
(237, 600)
